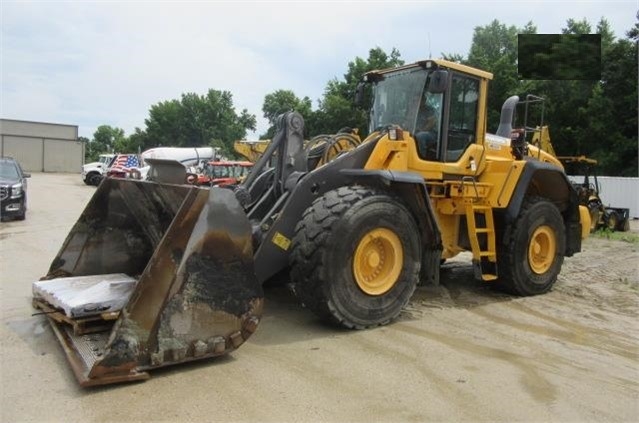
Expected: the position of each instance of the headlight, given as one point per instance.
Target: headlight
(16, 191)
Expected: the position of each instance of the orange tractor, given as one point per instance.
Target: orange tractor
(221, 173)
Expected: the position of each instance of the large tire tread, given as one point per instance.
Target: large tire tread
(309, 264)
(515, 276)
(310, 235)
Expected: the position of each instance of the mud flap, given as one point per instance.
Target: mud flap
(197, 295)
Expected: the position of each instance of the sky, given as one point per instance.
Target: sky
(92, 63)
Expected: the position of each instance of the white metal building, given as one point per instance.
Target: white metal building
(42, 147)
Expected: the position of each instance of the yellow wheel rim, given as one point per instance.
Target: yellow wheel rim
(542, 249)
(378, 261)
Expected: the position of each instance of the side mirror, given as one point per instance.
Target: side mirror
(438, 81)
(26, 175)
(359, 94)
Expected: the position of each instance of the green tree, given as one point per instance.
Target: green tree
(453, 57)
(573, 107)
(494, 49)
(139, 141)
(163, 123)
(612, 111)
(282, 101)
(197, 120)
(108, 137)
(90, 151)
(334, 113)
(633, 33)
(337, 109)
(597, 118)
(377, 59)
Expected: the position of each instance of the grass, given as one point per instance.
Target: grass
(630, 237)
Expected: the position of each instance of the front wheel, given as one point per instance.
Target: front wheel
(530, 260)
(23, 208)
(612, 220)
(94, 179)
(595, 209)
(356, 257)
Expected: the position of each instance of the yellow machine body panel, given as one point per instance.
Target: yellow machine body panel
(472, 172)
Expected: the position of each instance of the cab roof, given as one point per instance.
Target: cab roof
(434, 64)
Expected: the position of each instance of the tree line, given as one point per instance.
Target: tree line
(596, 118)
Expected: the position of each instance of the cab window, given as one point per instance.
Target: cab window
(462, 123)
(428, 125)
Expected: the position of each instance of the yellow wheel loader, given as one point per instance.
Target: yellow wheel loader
(601, 216)
(357, 233)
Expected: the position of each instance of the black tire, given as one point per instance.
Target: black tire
(540, 220)
(612, 220)
(324, 251)
(23, 207)
(594, 209)
(94, 178)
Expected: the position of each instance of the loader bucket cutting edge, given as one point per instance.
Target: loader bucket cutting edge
(196, 296)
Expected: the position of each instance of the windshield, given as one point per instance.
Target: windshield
(397, 98)
(8, 170)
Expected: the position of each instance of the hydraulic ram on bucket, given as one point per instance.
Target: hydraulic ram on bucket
(196, 294)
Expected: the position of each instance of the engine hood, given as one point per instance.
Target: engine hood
(9, 181)
(92, 165)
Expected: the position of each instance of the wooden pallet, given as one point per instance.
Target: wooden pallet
(81, 325)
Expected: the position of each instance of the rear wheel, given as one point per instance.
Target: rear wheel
(530, 260)
(356, 257)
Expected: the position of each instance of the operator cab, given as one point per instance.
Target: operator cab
(438, 102)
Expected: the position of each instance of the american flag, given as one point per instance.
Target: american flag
(125, 162)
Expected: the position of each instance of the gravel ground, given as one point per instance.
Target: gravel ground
(461, 351)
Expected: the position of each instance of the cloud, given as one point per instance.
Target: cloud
(107, 62)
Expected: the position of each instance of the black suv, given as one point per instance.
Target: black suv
(13, 189)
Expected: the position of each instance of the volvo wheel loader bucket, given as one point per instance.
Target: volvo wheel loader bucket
(196, 294)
